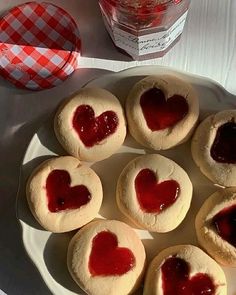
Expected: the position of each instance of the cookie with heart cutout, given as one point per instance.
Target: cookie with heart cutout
(216, 226)
(214, 148)
(64, 195)
(162, 111)
(154, 192)
(184, 270)
(106, 257)
(90, 125)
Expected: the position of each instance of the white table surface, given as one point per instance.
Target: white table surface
(207, 48)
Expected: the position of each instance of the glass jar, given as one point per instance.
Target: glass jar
(144, 28)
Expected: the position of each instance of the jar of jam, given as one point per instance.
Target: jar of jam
(144, 28)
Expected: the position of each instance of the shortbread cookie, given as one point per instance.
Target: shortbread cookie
(184, 270)
(63, 195)
(214, 148)
(154, 192)
(106, 257)
(162, 111)
(90, 125)
(216, 226)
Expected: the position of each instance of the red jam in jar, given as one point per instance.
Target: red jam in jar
(144, 28)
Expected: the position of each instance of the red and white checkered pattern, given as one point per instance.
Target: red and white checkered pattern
(39, 45)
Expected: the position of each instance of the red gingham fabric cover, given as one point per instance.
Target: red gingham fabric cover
(39, 45)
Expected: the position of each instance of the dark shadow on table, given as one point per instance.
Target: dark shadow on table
(96, 42)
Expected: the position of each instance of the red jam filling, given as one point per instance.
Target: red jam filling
(176, 280)
(152, 196)
(141, 14)
(160, 113)
(92, 130)
(223, 149)
(148, 15)
(61, 195)
(107, 259)
(225, 224)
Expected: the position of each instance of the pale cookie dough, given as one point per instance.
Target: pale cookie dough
(220, 173)
(100, 100)
(79, 252)
(198, 261)
(68, 219)
(221, 250)
(168, 137)
(164, 169)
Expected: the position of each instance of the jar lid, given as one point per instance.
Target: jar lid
(39, 45)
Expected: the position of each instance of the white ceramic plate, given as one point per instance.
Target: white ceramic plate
(48, 251)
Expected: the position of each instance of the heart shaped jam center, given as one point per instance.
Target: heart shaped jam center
(161, 113)
(176, 279)
(107, 258)
(223, 149)
(225, 224)
(61, 195)
(152, 196)
(92, 130)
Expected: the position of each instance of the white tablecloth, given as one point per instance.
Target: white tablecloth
(207, 48)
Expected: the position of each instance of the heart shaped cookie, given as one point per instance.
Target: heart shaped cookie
(63, 195)
(216, 226)
(154, 196)
(106, 257)
(154, 192)
(162, 111)
(224, 223)
(90, 125)
(214, 145)
(176, 279)
(184, 270)
(92, 130)
(224, 146)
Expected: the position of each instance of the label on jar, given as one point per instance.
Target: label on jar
(149, 43)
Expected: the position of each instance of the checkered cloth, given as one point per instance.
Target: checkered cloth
(39, 45)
